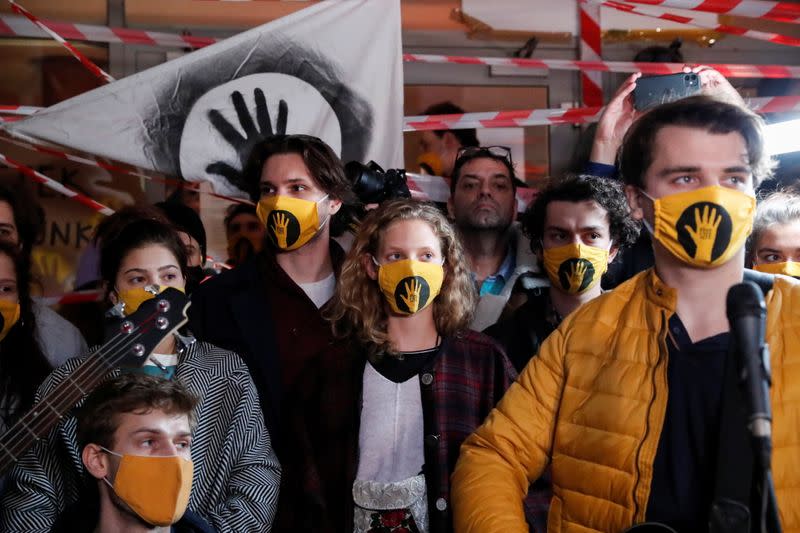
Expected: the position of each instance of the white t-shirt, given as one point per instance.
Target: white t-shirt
(320, 291)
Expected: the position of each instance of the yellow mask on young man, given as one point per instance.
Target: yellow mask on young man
(705, 227)
(10, 311)
(133, 298)
(787, 268)
(291, 222)
(409, 285)
(575, 268)
(156, 488)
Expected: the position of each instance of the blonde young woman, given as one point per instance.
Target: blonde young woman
(381, 415)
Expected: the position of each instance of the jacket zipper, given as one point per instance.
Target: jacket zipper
(661, 347)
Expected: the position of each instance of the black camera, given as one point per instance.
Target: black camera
(373, 185)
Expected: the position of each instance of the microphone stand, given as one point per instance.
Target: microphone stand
(765, 505)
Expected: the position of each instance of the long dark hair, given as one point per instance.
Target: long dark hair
(23, 365)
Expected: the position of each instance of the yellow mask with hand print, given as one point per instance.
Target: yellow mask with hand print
(291, 222)
(10, 311)
(787, 268)
(575, 268)
(409, 285)
(706, 227)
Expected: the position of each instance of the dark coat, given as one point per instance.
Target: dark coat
(259, 312)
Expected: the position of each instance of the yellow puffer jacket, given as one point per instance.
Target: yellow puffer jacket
(594, 400)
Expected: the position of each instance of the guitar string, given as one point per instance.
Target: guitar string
(61, 396)
(98, 361)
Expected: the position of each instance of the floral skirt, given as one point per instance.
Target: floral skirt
(397, 507)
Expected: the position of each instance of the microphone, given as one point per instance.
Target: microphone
(747, 317)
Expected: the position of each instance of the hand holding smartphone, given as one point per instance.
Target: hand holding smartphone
(654, 90)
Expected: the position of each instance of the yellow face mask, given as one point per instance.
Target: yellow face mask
(156, 488)
(575, 268)
(430, 163)
(131, 299)
(787, 268)
(10, 312)
(291, 222)
(408, 285)
(706, 227)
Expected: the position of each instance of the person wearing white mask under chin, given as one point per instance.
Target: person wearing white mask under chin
(268, 308)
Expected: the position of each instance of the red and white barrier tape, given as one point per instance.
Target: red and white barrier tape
(760, 9)
(729, 70)
(591, 50)
(721, 28)
(85, 61)
(19, 109)
(56, 186)
(540, 117)
(44, 148)
(20, 27)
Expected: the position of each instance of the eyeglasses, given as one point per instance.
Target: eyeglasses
(496, 152)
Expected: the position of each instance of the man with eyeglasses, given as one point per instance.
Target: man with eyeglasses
(483, 206)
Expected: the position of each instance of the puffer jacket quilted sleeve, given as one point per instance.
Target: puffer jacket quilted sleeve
(487, 491)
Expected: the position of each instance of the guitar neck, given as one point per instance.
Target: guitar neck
(47, 412)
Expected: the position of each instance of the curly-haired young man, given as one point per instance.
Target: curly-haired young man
(576, 227)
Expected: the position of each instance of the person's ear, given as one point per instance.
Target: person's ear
(634, 195)
(113, 297)
(369, 266)
(334, 205)
(450, 141)
(96, 461)
(612, 253)
(450, 210)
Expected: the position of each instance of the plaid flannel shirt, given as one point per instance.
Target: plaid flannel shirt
(459, 387)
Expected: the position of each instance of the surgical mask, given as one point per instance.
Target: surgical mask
(291, 222)
(575, 268)
(10, 312)
(787, 268)
(131, 299)
(703, 228)
(409, 285)
(156, 488)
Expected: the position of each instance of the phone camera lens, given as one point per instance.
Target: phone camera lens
(687, 77)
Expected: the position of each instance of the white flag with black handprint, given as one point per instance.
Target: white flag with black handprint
(333, 70)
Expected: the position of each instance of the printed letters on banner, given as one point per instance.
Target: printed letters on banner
(333, 70)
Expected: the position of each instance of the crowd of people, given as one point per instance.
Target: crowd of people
(460, 367)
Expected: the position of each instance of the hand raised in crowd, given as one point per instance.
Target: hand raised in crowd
(715, 84)
(617, 117)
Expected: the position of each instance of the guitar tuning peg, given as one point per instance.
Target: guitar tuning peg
(126, 327)
(163, 306)
(162, 323)
(138, 350)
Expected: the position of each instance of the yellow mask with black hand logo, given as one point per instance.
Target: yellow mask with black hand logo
(787, 268)
(10, 311)
(291, 222)
(706, 227)
(575, 268)
(409, 285)
(131, 299)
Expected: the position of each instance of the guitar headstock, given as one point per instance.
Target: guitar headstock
(133, 338)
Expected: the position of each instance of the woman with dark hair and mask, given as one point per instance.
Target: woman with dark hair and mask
(236, 474)
(23, 365)
(380, 415)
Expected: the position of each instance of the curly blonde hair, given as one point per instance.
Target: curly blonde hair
(358, 310)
